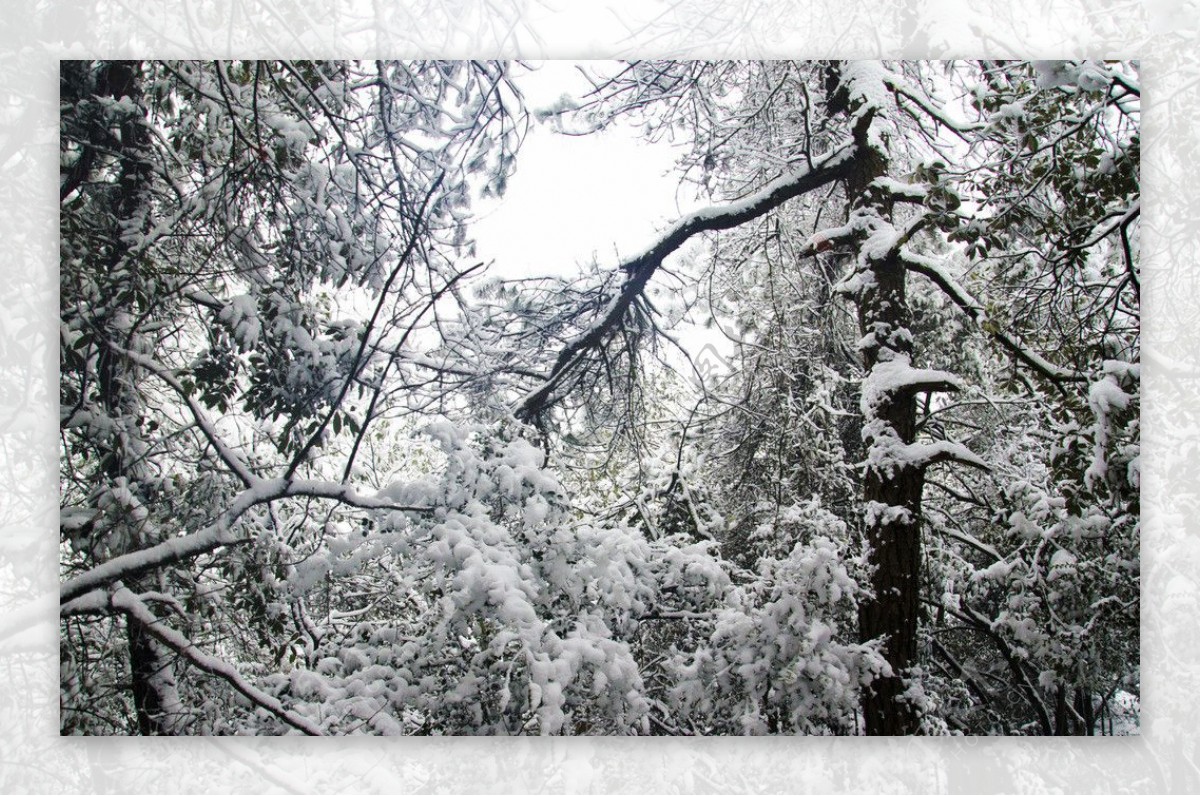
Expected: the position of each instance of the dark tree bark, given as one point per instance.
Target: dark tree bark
(893, 537)
(152, 680)
(892, 487)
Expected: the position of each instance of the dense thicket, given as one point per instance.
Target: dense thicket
(319, 476)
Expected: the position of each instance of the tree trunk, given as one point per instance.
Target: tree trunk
(892, 495)
(1062, 717)
(155, 696)
(892, 487)
(1083, 706)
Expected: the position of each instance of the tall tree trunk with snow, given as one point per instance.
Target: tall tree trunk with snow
(892, 495)
(152, 679)
(894, 477)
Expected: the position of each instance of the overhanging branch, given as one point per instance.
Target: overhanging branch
(835, 165)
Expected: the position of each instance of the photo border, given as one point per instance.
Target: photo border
(33, 758)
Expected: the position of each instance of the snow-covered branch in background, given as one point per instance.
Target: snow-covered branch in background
(931, 269)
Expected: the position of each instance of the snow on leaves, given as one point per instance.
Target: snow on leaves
(290, 454)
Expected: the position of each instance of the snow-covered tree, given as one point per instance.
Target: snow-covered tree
(247, 250)
(316, 477)
(965, 192)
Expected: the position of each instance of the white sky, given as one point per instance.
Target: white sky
(575, 197)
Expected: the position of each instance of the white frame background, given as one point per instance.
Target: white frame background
(37, 33)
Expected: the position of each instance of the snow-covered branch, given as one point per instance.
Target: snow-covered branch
(897, 378)
(218, 534)
(203, 422)
(936, 274)
(124, 600)
(833, 166)
(926, 454)
(920, 99)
